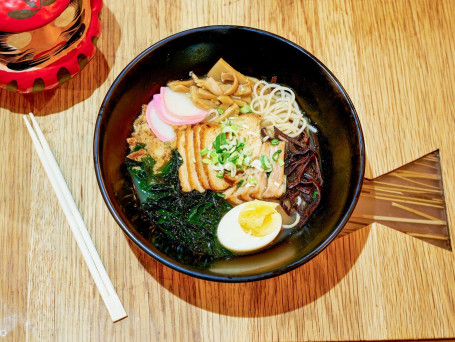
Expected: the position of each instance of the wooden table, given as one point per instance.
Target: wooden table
(395, 59)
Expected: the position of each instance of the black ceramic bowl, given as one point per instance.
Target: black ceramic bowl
(262, 55)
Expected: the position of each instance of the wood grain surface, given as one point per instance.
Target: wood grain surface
(395, 59)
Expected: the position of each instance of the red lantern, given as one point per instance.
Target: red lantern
(44, 43)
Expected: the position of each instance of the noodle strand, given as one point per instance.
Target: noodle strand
(278, 107)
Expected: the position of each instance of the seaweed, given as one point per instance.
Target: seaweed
(188, 220)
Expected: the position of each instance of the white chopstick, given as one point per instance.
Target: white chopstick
(83, 239)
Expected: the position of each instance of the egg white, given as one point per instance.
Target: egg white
(233, 237)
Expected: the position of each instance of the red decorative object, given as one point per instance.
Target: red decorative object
(44, 43)
(26, 15)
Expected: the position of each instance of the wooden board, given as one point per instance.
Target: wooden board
(395, 59)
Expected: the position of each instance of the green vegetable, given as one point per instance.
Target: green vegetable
(274, 142)
(181, 222)
(214, 157)
(204, 151)
(276, 155)
(220, 110)
(265, 162)
(246, 109)
(240, 146)
(239, 184)
(315, 194)
(220, 140)
(281, 162)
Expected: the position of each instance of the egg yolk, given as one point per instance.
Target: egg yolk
(257, 218)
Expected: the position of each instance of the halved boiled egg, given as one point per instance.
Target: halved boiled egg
(249, 227)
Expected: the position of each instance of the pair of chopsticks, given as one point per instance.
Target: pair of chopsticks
(85, 243)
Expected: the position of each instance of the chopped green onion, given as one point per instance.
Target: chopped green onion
(274, 142)
(220, 195)
(214, 157)
(252, 180)
(234, 156)
(246, 109)
(231, 167)
(206, 161)
(281, 162)
(239, 146)
(220, 174)
(268, 174)
(223, 157)
(227, 129)
(204, 151)
(315, 194)
(276, 155)
(219, 141)
(265, 162)
(239, 184)
(220, 110)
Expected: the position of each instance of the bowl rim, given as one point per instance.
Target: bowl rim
(194, 272)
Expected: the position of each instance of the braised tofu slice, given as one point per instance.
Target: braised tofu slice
(203, 178)
(191, 161)
(183, 170)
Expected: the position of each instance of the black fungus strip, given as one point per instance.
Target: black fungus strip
(304, 178)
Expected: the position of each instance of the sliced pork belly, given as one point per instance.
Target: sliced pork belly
(208, 135)
(256, 192)
(203, 178)
(191, 161)
(275, 181)
(183, 170)
(250, 128)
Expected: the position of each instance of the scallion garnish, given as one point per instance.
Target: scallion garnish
(219, 141)
(274, 142)
(220, 110)
(246, 109)
(265, 162)
(214, 157)
(281, 162)
(204, 151)
(315, 194)
(220, 174)
(276, 155)
(252, 180)
(206, 161)
(240, 146)
(239, 184)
